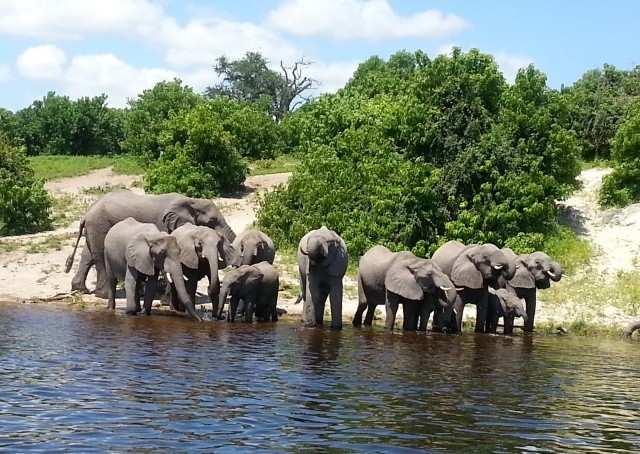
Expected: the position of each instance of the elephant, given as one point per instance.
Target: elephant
(253, 246)
(503, 303)
(257, 285)
(393, 278)
(202, 253)
(322, 263)
(135, 252)
(166, 211)
(534, 271)
(631, 328)
(472, 269)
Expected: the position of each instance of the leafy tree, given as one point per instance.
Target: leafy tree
(57, 125)
(198, 158)
(24, 203)
(622, 186)
(148, 113)
(250, 79)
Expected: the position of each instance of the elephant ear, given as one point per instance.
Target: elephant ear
(523, 277)
(339, 258)
(401, 281)
(138, 254)
(227, 253)
(187, 241)
(464, 272)
(251, 277)
(499, 296)
(178, 213)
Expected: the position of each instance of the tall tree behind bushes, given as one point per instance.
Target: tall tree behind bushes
(487, 159)
(250, 79)
(24, 203)
(57, 125)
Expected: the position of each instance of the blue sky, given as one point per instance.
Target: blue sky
(122, 47)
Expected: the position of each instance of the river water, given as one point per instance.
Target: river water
(94, 381)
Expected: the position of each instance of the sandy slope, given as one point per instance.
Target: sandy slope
(26, 276)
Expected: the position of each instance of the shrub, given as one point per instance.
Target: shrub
(24, 203)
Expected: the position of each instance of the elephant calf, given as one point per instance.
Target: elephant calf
(253, 246)
(257, 285)
(504, 303)
(134, 253)
(322, 263)
(394, 278)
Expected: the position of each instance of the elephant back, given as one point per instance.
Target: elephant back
(446, 255)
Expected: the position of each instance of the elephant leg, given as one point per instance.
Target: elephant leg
(481, 301)
(424, 312)
(233, 308)
(113, 282)
(313, 301)
(371, 312)
(101, 275)
(357, 317)
(140, 285)
(410, 319)
(508, 324)
(249, 308)
(150, 292)
(392, 309)
(530, 300)
(78, 283)
(130, 288)
(335, 300)
(458, 309)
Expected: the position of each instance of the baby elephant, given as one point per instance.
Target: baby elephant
(257, 285)
(506, 304)
(135, 252)
(394, 278)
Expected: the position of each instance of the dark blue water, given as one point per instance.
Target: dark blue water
(92, 381)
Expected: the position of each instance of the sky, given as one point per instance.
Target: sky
(80, 48)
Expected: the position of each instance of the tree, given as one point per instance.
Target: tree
(251, 80)
(148, 113)
(24, 202)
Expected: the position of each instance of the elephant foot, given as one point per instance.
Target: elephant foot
(336, 327)
(80, 288)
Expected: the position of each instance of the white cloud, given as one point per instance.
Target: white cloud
(41, 62)
(510, 64)
(332, 76)
(74, 19)
(358, 19)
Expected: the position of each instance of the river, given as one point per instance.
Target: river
(94, 381)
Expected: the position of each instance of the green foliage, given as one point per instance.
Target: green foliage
(58, 126)
(198, 158)
(622, 186)
(283, 163)
(24, 203)
(363, 189)
(147, 114)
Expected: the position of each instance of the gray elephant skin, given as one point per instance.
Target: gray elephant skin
(257, 286)
(203, 252)
(322, 263)
(631, 328)
(135, 253)
(166, 211)
(503, 303)
(394, 278)
(472, 269)
(534, 271)
(253, 246)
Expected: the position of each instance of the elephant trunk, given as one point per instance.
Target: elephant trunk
(449, 290)
(174, 268)
(555, 271)
(508, 269)
(227, 231)
(224, 293)
(211, 254)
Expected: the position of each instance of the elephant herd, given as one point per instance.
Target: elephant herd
(133, 238)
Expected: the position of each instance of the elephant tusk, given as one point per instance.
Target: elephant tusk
(169, 278)
(446, 289)
(551, 274)
(185, 278)
(498, 267)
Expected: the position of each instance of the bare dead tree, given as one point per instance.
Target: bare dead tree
(295, 85)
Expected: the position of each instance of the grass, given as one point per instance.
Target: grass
(571, 251)
(53, 167)
(48, 243)
(279, 164)
(66, 209)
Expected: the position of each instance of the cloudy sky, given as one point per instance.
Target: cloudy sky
(122, 47)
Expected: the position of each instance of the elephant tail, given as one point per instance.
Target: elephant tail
(69, 262)
(298, 299)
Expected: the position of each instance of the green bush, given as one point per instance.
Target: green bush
(24, 203)
(198, 158)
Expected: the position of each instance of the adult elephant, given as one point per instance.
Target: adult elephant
(394, 278)
(472, 269)
(504, 303)
(322, 263)
(534, 271)
(135, 252)
(257, 285)
(166, 211)
(253, 246)
(202, 253)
